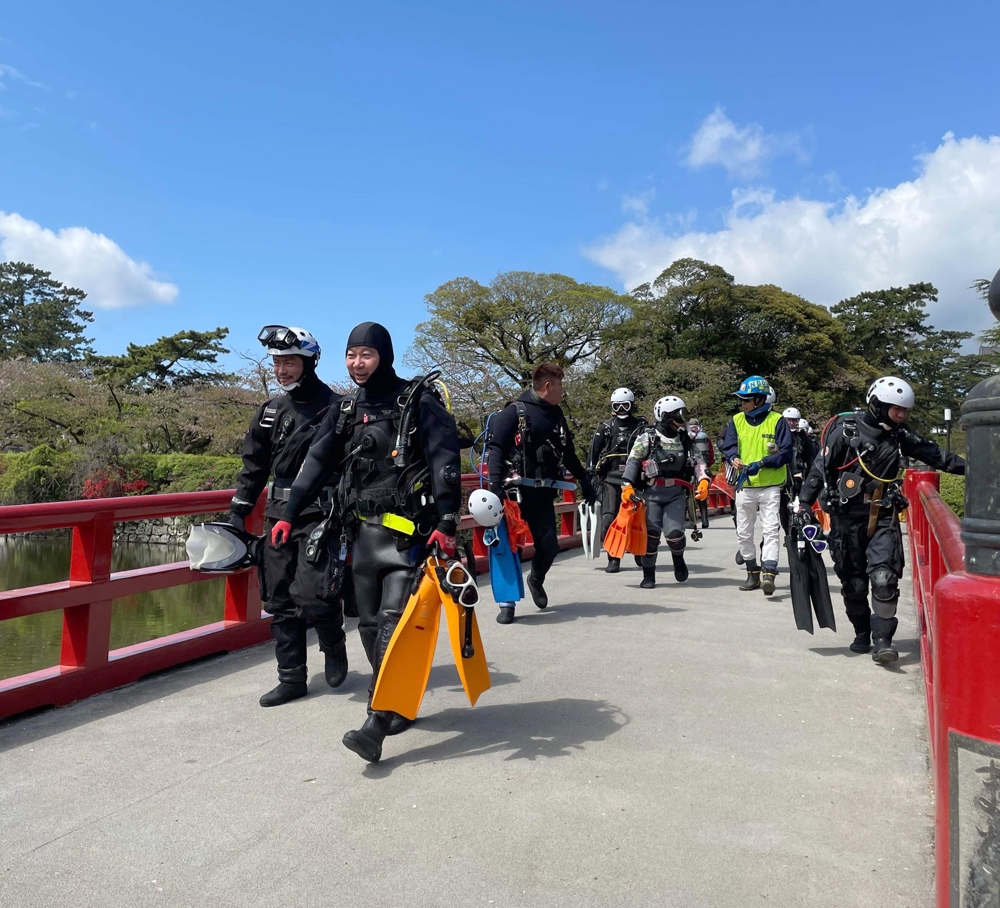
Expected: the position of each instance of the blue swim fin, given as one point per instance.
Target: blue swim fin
(505, 568)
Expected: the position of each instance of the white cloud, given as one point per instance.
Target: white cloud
(742, 150)
(81, 258)
(942, 227)
(10, 73)
(638, 203)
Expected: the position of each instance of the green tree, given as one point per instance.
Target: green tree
(176, 361)
(40, 319)
(889, 329)
(489, 338)
(884, 327)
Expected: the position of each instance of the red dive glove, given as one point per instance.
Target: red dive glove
(444, 538)
(281, 532)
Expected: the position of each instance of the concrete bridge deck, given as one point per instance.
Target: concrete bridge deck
(683, 747)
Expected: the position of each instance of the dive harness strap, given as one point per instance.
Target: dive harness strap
(874, 508)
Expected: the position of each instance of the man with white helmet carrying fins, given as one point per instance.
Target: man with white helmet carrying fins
(665, 461)
(276, 444)
(758, 446)
(608, 452)
(804, 450)
(857, 473)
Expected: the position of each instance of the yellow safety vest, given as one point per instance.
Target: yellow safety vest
(753, 447)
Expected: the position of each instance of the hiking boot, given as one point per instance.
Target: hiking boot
(285, 692)
(335, 667)
(862, 642)
(366, 742)
(752, 581)
(537, 592)
(883, 653)
(614, 566)
(648, 578)
(767, 582)
(680, 568)
(506, 615)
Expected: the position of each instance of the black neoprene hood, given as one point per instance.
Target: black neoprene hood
(374, 335)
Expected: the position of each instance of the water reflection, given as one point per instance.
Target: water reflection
(32, 642)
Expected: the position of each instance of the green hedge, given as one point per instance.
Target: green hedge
(953, 492)
(42, 474)
(45, 474)
(189, 472)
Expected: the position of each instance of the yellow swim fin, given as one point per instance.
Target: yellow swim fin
(406, 666)
(472, 669)
(466, 644)
(616, 539)
(637, 533)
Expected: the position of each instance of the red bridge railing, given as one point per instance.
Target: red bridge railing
(87, 664)
(959, 618)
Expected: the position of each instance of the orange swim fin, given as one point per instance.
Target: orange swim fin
(406, 666)
(637, 533)
(616, 539)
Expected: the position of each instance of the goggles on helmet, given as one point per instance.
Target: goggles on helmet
(278, 336)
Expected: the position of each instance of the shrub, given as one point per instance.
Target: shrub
(953, 492)
(42, 474)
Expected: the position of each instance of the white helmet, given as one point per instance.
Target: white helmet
(791, 413)
(622, 402)
(282, 341)
(666, 406)
(771, 398)
(892, 391)
(485, 507)
(805, 427)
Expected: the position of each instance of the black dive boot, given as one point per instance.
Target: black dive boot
(648, 578)
(862, 642)
(335, 667)
(366, 742)
(753, 578)
(614, 566)
(882, 631)
(290, 652)
(680, 568)
(285, 692)
(537, 591)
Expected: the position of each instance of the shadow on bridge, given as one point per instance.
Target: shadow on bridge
(550, 728)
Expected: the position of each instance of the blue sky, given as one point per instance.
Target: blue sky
(326, 163)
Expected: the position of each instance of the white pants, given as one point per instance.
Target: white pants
(768, 501)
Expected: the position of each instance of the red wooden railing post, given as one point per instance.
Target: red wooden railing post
(243, 590)
(569, 517)
(86, 632)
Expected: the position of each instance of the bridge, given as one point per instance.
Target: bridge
(681, 747)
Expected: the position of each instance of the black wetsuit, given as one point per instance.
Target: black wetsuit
(546, 454)
(356, 441)
(276, 445)
(860, 558)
